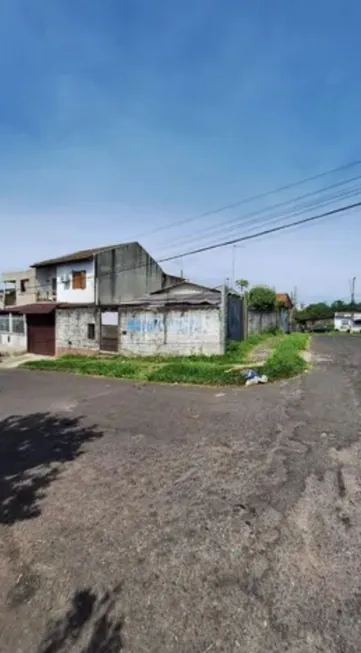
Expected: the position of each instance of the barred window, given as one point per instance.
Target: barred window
(4, 323)
(18, 324)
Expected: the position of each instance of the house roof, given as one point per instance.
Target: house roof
(164, 297)
(80, 255)
(183, 282)
(212, 299)
(285, 299)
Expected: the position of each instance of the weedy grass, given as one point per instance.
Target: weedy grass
(284, 361)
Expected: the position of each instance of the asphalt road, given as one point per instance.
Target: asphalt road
(155, 519)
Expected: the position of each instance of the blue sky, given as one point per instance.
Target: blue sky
(121, 117)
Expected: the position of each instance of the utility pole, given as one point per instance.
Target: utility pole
(352, 288)
(233, 263)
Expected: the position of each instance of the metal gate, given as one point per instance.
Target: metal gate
(41, 333)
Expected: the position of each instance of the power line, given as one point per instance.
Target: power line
(265, 232)
(253, 198)
(251, 225)
(258, 234)
(239, 221)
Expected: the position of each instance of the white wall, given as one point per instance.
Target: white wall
(65, 292)
(13, 342)
(180, 332)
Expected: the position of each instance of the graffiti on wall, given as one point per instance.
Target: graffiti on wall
(145, 324)
(181, 323)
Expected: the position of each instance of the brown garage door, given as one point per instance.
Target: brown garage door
(41, 334)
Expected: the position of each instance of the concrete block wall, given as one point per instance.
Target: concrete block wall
(177, 332)
(258, 322)
(71, 331)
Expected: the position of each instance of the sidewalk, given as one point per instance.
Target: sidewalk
(9, 362)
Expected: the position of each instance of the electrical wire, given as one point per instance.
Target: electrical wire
(279, 217)
(239, 221)
(199, 250)
(253, 198)
(238, 239)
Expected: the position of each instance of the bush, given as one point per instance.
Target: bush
(262, 299)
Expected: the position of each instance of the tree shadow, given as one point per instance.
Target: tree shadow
(89, 618)
(32, 450)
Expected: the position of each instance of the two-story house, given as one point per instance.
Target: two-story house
(88, 286)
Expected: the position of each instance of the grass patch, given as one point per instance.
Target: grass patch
(202, 370)
(177, 371)
(286, 361)
(198, 373)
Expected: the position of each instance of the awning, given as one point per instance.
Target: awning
(31, 309)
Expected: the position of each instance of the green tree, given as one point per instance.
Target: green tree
(339, 306)
(262, 298)
(314, 312)
(242, 284)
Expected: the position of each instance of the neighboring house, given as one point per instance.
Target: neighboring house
(101, 277)
(285, 300)
(184, 318)
(348, 322)
(18, 288)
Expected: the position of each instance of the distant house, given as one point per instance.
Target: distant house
(347, 322)
(285, 300)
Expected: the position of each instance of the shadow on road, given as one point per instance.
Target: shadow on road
(32, 450)
(89, 618)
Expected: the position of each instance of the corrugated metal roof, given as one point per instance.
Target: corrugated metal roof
(183, 282)
(80, 255)
(194, 299)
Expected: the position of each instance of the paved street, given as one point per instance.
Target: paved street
(155, 519)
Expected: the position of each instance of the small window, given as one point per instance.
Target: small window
(79, 279)
(91, 331)
(24, 285)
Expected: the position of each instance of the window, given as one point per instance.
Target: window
(18, 324)
(91, 331)
(4, 323)
(24, 285)
(79, 279)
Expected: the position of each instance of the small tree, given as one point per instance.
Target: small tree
(242, 284)
(262, 298)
